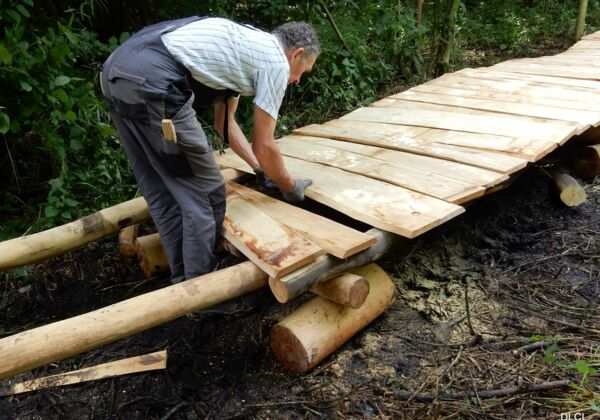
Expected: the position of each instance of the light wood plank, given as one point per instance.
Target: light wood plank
(584, 118)
(388, 207)
(145, 363)
(409, 177)
(539, 80)
(272, 246)
(337, 239)
(586, 44)
(591, 37)
(512, 125)
(458, 171)
(358, 131)
(532, 149)
(519, 87)
(548, 70)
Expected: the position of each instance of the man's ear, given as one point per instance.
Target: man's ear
(298, 53)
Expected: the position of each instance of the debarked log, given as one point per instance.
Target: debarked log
(56, 241)
(571, 192)
(319, 327)
(47, 344)
(151, 255)
(327, 266)
(346, 289)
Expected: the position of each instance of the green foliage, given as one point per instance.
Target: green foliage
(54, 123)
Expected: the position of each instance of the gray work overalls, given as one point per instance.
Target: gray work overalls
(142, 84)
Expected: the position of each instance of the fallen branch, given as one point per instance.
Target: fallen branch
(535, 346)
(147, 362)
(485, 394)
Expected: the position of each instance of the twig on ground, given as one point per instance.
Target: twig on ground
(535, 346)
(483, 394)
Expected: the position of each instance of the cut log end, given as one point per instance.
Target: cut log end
(571, 193)
(151, 255)
(347, 289)
(586, 161)
(288, 349)
(127, 239)
(279, 290)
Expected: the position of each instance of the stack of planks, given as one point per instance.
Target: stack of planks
(408, 162)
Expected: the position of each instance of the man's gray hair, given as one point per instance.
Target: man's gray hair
(295, 35)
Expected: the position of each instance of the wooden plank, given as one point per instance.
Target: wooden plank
(145, 363)
(337, 239)
(497, 123)
(455, 170)
(519, 87)
(537, 79)
(532, 149)
(586, 44)
(388, 207)
(584, 118)
(358, 132)
(406, 176)
(591, 37)
(548, 70)
(272, 246)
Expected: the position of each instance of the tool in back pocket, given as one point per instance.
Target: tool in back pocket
(168, 129)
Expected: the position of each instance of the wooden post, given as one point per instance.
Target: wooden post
(30, 349)
(127, 239)
(580, 24)
(586, 161)
(571, 193)
(326, 267)
(151, 255)
(49, 243)
(319, 327)
(346, 289)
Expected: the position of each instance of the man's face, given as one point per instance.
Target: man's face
(299, 64)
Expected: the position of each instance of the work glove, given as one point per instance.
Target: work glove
(297, 193)
(264, 180)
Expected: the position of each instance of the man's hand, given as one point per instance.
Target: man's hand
(296, 194)
(264, 180)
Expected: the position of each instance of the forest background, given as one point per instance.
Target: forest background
(60, 156)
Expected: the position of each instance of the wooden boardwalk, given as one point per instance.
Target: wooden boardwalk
(406, 163)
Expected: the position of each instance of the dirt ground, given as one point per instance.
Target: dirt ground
(529, 267)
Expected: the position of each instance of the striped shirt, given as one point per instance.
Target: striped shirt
(222, 54)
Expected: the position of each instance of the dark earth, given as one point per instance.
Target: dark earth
(529, 265)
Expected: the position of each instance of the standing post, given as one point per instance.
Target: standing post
(580, 25)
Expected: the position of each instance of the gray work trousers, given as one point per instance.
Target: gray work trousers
(142, 84)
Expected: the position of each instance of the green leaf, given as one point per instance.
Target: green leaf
(28, 2)
(124, 37)
(62, 96)
(594, 406)
(25, 86)
(70, 202)
(549, 356)
(61, 80)
(71, 116)
(66, 214)
(5, 55)
(14, 15)
(75, 145)
(50, 211)
(4, 123)
(22, 10)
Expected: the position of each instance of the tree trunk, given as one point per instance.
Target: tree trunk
(580, 25)
(30, 349)
(319, 327)
(443, 60)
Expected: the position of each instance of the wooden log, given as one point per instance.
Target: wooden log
(571, 193)
(145, 363)
(346, 289)
(30, 349)
(127, 239)
(319, 327)
(151, 255)
(40, 246)
(327, 266)
(586, 161)
(56, 241)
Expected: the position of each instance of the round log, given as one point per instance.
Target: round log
(586, 161)
(151, 255)
(319, 327)
(328, 266)
(30, 349)
(346, 289)
(571, 193)
(56, 241)
(127, 239)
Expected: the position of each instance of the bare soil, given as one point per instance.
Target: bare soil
(527, 267)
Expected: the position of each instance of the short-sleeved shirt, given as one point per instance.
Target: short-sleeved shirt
(222, 54)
